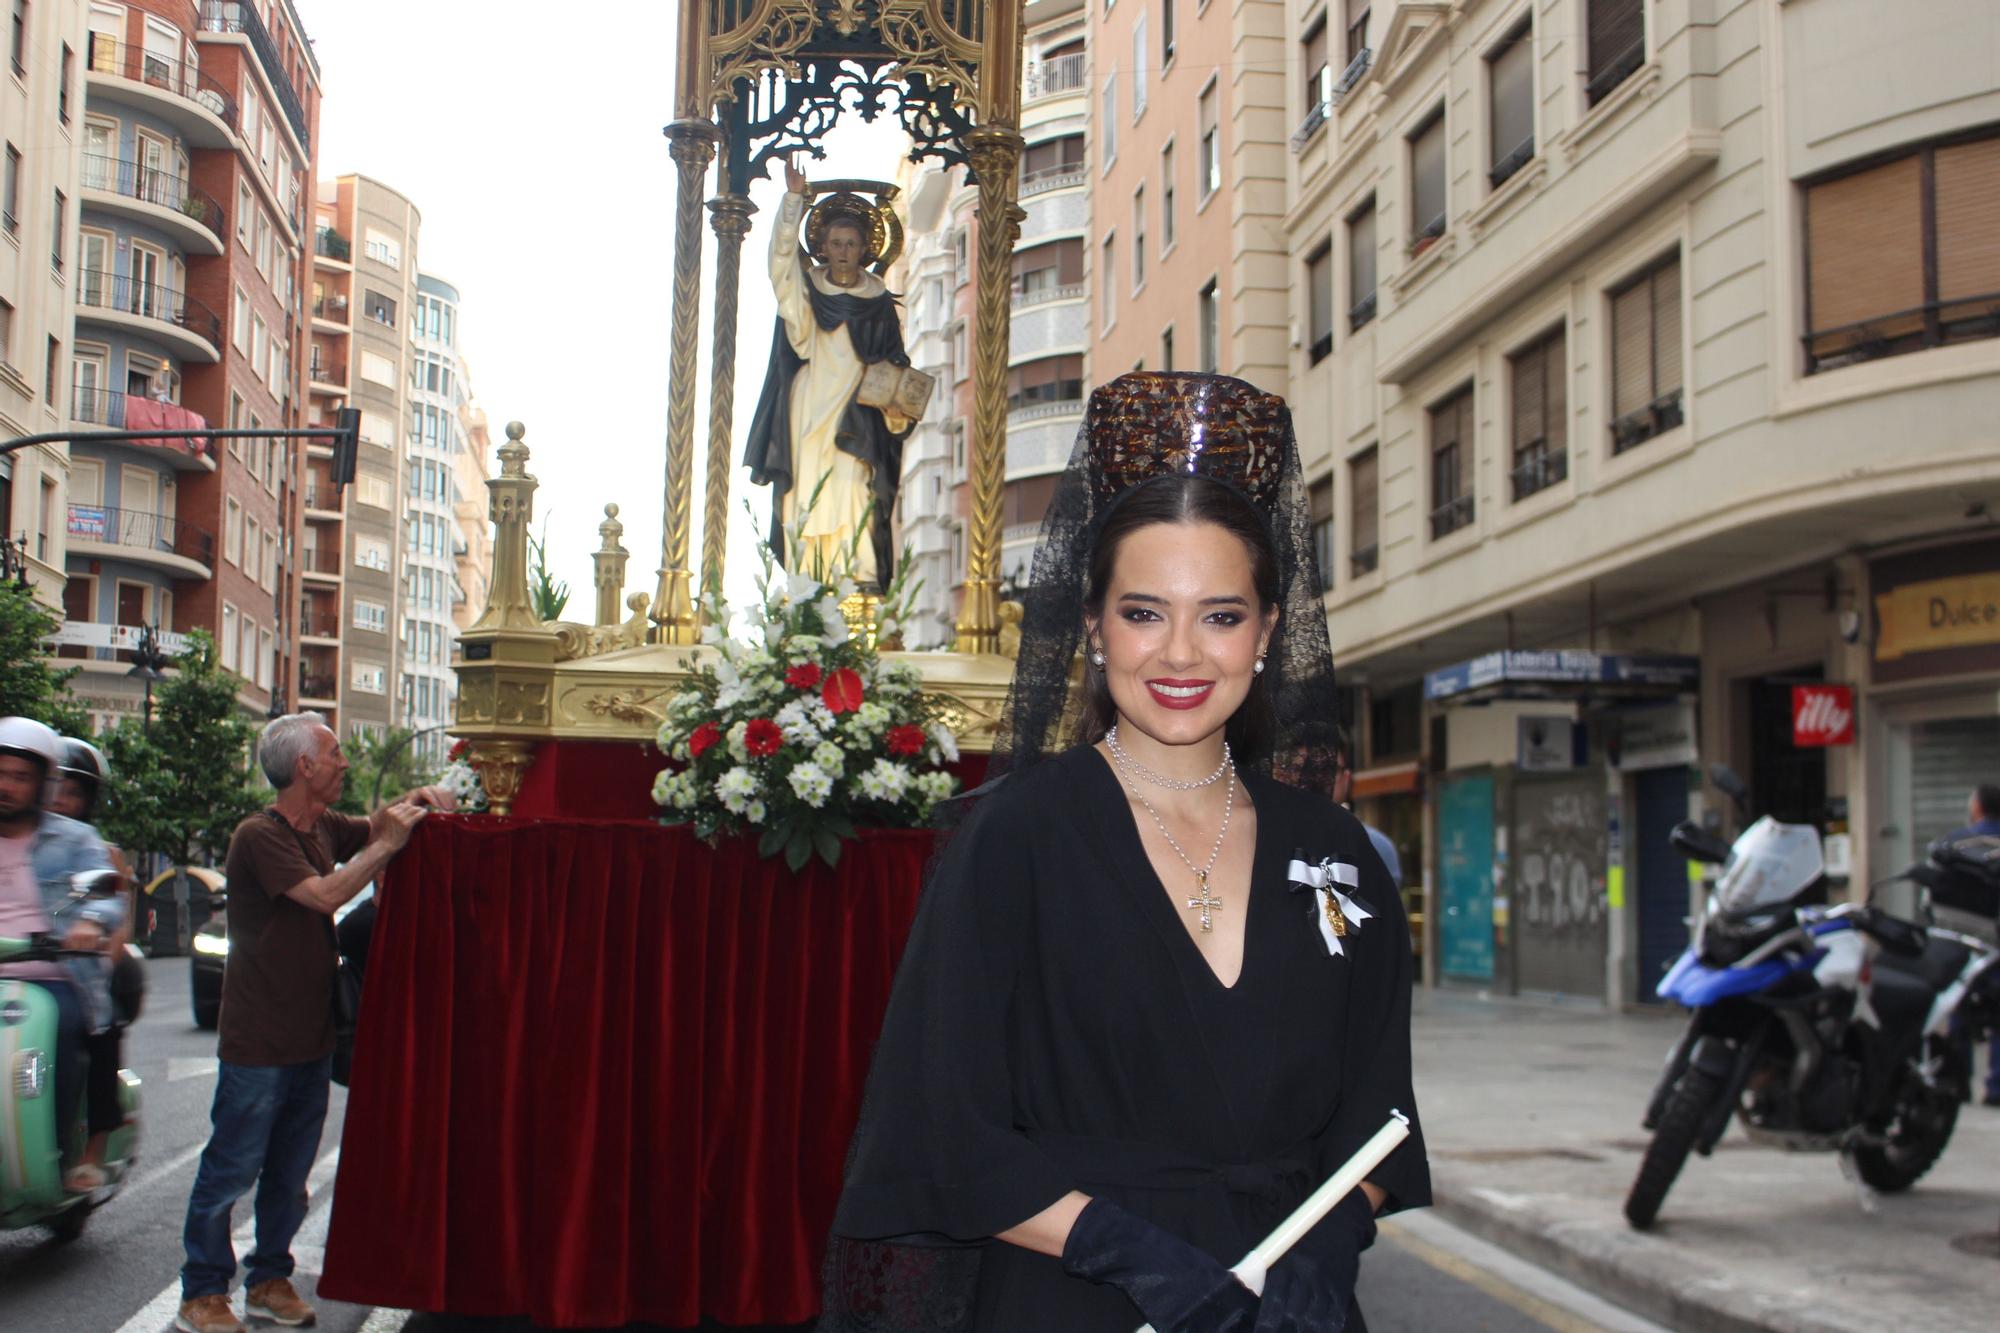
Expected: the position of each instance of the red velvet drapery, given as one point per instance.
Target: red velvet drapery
(607, 1074)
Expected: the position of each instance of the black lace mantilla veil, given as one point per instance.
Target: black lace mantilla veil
(1139, 426)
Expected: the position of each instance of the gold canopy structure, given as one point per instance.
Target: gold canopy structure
(758, 81)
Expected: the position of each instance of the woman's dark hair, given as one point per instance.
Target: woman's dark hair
(1180, 497)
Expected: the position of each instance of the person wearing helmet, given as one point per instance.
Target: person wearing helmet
(80, 782)
(41, 853)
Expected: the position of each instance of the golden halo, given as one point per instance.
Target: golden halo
(845, 206)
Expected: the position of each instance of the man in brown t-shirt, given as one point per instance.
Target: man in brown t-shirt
(289, 869)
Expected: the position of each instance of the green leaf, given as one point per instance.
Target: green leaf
(771, 841)
(828, 844)
(798, 850)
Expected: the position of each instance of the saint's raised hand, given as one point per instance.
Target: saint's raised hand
(795, 180)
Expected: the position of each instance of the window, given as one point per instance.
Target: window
(232, 533)
(1357, 38)
(1108, 122)
(1167, 197)
(1211, 142)
(241, 321)
(371, 553)
(62, 88)
(1361, 265)
(369, 678)
(378, 368)
(1167, 348)
(10, 193)
(1900, 256)
(1321, 499)
(264, 646)
(1108, 284)
(253, 550)
(1537, 380)
(1451, 464)
(1051, 271)
(228, 644)
(50, 371)
(1138, 238)
(1319, 304)
(1051, 379)
(1427, 207)
(6, 333)
(56, 231)
(1616, 34)
(1363, 522)
(1319, 77)
(371, 616)
(270, 580)
(383, 248)
(1051, 164)
(246, 211)
(1210, 310)
(379, 308)
(1140, 59)
(1510, 81)
(20, 43)
(1166, 32)
(1646, 356)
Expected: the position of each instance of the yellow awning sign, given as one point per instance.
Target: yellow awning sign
(1960, 612)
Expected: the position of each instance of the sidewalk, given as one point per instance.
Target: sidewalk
(1531, 1112)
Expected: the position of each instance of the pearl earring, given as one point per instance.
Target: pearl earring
(1259, 668)
(1097, 660)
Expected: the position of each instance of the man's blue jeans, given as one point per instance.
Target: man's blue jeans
(267, 1124)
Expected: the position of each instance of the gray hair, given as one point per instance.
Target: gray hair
(284, 742)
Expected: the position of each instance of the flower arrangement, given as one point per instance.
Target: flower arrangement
(798, 730)
(462, 780)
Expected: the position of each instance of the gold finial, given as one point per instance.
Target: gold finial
(514, 454)
(610, 530)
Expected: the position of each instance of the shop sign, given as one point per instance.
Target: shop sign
(1564, 666)
(1658, 737)
(1960, 612)
(1545, 744)
(87, 522)
(1822, 715)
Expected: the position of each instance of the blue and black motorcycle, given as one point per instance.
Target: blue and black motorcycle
(1824, 1029)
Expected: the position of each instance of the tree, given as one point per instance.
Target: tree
(366, 755)
(30, 685)
(181, 787)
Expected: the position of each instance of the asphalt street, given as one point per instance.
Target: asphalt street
(122, 1276)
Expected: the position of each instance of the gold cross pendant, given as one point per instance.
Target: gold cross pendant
(1202, 901)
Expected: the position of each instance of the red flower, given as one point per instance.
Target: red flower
(458, 750)
(803, 676)
(702, 737)
(907, 739)
(762, 737)
(842, 693)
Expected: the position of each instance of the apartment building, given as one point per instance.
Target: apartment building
(1650, 354)
(1051, 325)
(41, 101)
(472, 467)
(196, 130)
(1187, 189)
(432, 542)
(364, 293)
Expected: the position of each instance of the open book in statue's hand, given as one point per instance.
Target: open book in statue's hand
(901, 391)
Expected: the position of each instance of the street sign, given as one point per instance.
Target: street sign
(1822, 715)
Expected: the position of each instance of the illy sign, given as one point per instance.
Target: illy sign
(1822, 715)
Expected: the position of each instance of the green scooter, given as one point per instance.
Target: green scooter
(32, 1192)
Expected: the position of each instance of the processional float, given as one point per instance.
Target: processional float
(759, 81)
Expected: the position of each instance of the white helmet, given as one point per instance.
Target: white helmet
(31, 740)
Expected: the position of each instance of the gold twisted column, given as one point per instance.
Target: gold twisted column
(692, 143)
(729, 214)
(995, 154)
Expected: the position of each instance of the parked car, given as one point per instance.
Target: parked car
(158, 928)
(210, 953)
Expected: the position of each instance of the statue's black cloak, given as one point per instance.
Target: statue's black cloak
(877, 334)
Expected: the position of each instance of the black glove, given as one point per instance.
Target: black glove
(1309, 1290)
(1179, 1288)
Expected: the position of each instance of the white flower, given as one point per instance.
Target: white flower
(947, 744)
(799, 589)
(734, 739)
(735, 788)
(812, 784)
(802, 647)
(663, 787)
(795, 719)
(754, 812)
(836, 624)
(829, 756)
(887, 781)
(935, 786)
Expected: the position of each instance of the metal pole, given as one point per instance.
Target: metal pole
(382, 764)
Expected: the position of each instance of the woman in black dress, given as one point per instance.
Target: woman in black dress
(1131, 1031)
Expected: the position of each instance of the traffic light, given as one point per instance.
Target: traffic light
(346, 439)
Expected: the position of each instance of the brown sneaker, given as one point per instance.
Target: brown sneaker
(208, 1314)
(276, 1301)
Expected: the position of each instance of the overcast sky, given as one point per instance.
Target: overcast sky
(533, 150)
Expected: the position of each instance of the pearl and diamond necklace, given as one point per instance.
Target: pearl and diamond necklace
(1204, 900)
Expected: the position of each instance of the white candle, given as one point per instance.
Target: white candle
(1318, 1204)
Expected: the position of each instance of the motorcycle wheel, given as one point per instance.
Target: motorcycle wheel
(67, 1225)
(1680, 1127)
(1919, 1128)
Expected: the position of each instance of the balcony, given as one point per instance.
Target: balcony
(319, 618)
(317, 687)
(1042, 294)
(98, 642)
(153, 308)
(159, 540)
(1309, 128)
(332, 309)
(322, 497)
(1450, 516)
(159, 198)
(1061, 77)
(1059, 177)
(1537, 467)
(330, 244)
(320, 561)
(229, 16)
(179, 93)
(1356, 70)
(103, 408)
(328, 376)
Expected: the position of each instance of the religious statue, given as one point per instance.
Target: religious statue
(839, 397)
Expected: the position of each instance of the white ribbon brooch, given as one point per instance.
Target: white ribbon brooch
(1334, 913)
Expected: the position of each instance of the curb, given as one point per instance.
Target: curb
(1637, 1270)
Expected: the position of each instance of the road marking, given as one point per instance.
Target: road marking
(384, 1320)
(182, 1067)
(158, 1313)
(1542, 1296)
(166, 1168)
